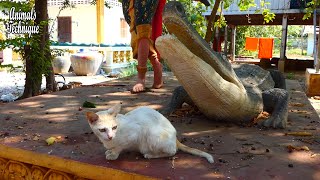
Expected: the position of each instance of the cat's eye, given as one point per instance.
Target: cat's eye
(114, 127)
(103, 130)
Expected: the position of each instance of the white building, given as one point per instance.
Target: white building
(79, 24)
(309, 30)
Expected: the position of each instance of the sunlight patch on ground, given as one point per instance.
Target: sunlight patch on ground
(50, 96)
(58, 110)
(59, 117)
(276, 134)
(155, 106)
(200, 132)
(33, 104)
(303, 157)
(214, 176)
(13, 139)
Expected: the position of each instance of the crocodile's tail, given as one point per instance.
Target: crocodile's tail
(193, 151)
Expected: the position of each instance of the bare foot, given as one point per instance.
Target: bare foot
(157, 86)
(139, 86)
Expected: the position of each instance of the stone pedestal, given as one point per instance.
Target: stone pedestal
(312, 82)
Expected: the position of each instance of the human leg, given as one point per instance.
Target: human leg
(157, 71)
(143, 52)
(143, 15)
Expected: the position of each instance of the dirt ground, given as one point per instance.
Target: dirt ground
(240, 152)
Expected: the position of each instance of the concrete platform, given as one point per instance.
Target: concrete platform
(312, 82)
(240, 152)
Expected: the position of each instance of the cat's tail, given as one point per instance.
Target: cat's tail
(193, 151)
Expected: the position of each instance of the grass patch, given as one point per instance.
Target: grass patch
(290, 76)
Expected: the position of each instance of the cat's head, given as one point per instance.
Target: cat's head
(103, 123)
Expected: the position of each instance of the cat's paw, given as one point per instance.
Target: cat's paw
(147, 156)
(108, 152)
(110, 155)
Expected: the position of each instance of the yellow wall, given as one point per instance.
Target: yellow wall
(84, 24)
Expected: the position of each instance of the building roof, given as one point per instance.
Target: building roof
(252, 16)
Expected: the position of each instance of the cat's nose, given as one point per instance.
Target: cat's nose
(110, 137)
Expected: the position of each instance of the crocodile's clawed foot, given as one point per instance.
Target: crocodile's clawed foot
(166, 111)
(273, 121)
(275, 102)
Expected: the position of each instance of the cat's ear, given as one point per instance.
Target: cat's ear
(92, 117)
(114, 110)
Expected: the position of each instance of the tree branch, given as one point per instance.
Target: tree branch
(212, 17)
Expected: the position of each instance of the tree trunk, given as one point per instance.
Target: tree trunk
(42, 15)
(35, 58)
(211, 20)
(32, 85)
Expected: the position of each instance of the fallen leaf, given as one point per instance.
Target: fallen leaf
(50, 140)
(302, 112)
(262, 116)
(183, 111)
(297, 148)
(298, 134)
(173, 115)
(297, 104)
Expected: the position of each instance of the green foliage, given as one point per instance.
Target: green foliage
(106, 4)
(311, 6)
(130, 70)
(246, 4)
(290, 76)
(34, 48)
(194, 12)
(88, 104)
(7, 67)
(58, 52)
(268, 15)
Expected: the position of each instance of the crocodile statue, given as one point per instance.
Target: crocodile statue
(220, 90)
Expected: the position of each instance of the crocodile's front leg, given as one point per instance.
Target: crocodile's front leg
(179, 97)
(275, 101)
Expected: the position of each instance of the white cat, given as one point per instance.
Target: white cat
(143, 129)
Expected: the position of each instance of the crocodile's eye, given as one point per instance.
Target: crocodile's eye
(103, 130)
